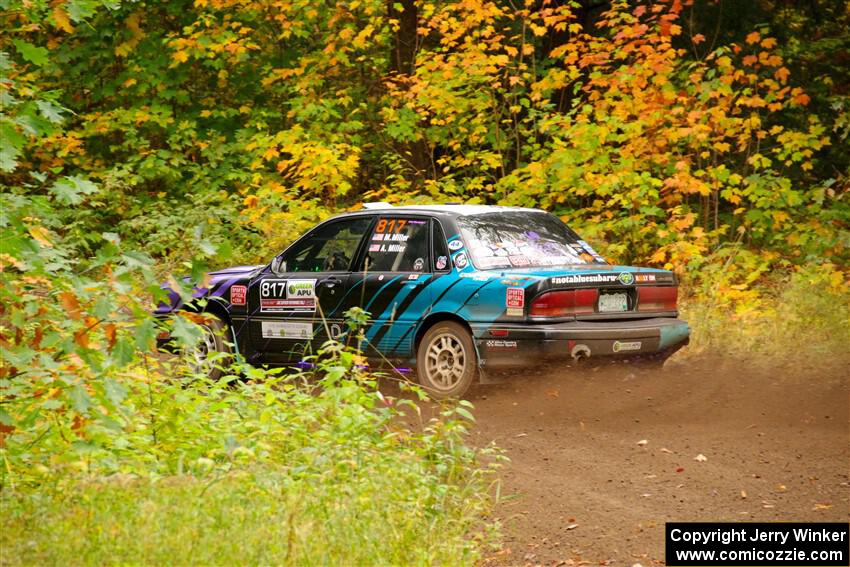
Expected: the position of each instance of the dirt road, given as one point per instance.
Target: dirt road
(601, 459)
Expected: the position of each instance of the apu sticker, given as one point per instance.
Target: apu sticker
(461, 261)
(238, 293)
(455, 245)
(285, 330)
(278, 296)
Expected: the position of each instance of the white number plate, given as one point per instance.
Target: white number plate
(613, 302)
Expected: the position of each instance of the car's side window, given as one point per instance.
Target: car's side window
(399, 245)
(331, 248)
(442, 259)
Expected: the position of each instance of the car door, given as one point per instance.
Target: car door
(294, 311)
(391, 282)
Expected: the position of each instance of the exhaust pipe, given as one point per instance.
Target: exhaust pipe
(580, 352)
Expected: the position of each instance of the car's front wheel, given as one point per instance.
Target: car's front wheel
(212, 352)
(446, 360)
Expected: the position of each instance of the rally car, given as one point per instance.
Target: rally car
(452, 290)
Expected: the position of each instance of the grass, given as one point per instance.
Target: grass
(256, 517)
(277, 470)
(804, 317)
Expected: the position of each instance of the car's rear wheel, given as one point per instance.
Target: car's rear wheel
(212, 352)
(446, 361)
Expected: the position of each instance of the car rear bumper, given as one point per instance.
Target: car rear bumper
(519, 345)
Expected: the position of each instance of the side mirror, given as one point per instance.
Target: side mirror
(278, 266)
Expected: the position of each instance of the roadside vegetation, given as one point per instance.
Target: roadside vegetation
(145, 143)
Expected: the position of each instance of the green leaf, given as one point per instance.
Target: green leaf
(123, 352)
(186, 333)
(33, 54)
(50, 111)
(145, 334)
(80, 399)
(5, 418)
(69, 190)
(13, 141)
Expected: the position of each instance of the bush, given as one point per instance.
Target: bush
(278, 469)
(112, 452)
(779, 317)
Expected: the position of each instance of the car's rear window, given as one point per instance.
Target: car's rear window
(523, 239)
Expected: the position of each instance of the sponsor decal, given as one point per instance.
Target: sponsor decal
(501, 345)
(381, 278)
(238, 295)
(644, 277)
(419, 264)
(584, 278)
(442, 262)
(515, 297)
(626, 278)
(492, 262)
(301, 288)
(413, 277)
(514, 301)
(336, 331)
(286, 330)
(621, 346)
(455, 245)
(475, 276)
(279, 296)
(519, 261)
(461, 261)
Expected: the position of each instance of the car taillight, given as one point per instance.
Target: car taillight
(562, 303)
(657, 298)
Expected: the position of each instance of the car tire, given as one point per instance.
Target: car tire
(212, 342)
(446, 360)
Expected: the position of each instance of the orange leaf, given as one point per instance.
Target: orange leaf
(782, 74)
(753, 37)
(802, 99)
(81, 337)
(70, 304)
(768, 42)
(698, 38)
(110, 331)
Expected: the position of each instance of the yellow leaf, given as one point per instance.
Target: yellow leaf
(41, 235)
(180, 56)
(60, 16)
